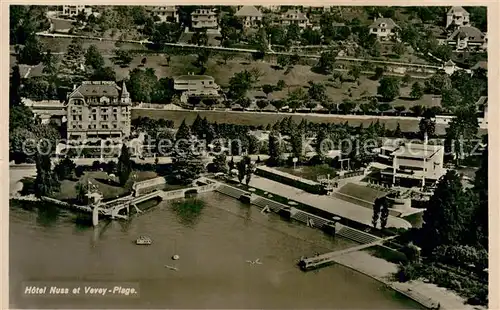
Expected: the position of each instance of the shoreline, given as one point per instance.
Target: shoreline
(425, 294)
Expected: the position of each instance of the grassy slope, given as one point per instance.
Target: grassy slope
(256, 119)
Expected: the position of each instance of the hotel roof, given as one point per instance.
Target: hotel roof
(97, 89)
(189, 77)
(414, 150)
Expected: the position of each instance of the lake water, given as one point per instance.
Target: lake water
(214, 246)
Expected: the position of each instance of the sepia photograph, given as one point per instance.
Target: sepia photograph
(247, 156)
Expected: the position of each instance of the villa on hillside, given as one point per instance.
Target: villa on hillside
(74, 10)
(251, 16)
(384, 28)
(457, 16)
(468, 38)
(205, 18)
(166, 13)
(317, 9)
(294, 17)
(98, 110)
(411, 164)
(199, 86)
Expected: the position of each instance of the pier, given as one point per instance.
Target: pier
(120, 208)
(326, 259)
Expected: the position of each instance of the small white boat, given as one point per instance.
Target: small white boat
(171, 267)
(143, 240)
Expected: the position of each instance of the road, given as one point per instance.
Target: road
(232, 49)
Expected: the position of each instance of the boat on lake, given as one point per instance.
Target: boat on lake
(315, 262)
(143, 240)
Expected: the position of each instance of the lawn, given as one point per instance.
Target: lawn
(361, 192)
(310, 172)
(263, 119)
(298, 76)
(109, 189)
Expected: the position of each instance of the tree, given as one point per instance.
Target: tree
(142, 84)
(384, 211)
(123, 57)
(231, 165)
(82, 190)
(445, 215)
(317, 91)
(93, 58)
(461, 134)
(416, 91)
(31, 53)
(418, 110)
(438, 83)
(14, 88)
(355, 72)
(187, 168)
(262, 104)
(398, 133)
(166, 33)
(399, 48)
(283, 61)
(183, 132)
(326, 61)
(311, 37)
(399, 109)
(124, 167)
(280, 85)
(406, 79)
(297, 98)
(249, 170)
(65, 169)
(50, 64)
(104, 74)
(200, 38)
(479, 218)
(241, 166)
(379, 72)
(267, 88)
(239, 84)
(226, 57)
(46, 182)
(75, 51)
(220, 163)
(451, 99)
(376, 212)
(427, 125)
(275, 148)
(388, 88)
(347, 106)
